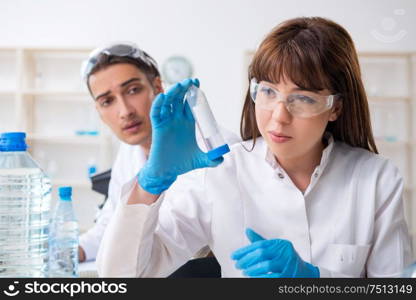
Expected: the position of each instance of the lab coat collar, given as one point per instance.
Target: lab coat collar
(271, 160)
(135, 151)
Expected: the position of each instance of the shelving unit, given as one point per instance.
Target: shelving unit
(390, 80)
(41, 93)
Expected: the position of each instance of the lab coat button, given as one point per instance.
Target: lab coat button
(316, 174)
(281, 176)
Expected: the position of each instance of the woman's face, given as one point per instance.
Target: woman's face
(289, 137)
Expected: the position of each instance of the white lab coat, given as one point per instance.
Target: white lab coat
(129, 160)
(349, 222)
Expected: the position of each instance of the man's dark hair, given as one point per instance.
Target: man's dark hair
(105, 61)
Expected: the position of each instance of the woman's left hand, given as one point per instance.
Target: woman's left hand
(271, 258)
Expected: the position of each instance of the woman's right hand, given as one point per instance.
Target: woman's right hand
(174, 150)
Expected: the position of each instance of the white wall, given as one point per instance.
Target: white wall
(213, 34)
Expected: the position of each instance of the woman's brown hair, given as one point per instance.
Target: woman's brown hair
(314, 53)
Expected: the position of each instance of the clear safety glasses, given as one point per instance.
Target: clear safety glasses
(301, 105)
(123, 50)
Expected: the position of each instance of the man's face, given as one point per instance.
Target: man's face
(123, 97)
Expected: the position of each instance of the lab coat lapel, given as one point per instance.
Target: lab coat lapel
(272, 205)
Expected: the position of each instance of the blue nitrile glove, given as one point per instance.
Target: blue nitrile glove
(271, 258)
(174, 150)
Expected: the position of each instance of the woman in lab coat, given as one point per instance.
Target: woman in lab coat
(305, 195)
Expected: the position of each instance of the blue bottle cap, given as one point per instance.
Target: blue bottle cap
(13, 141)
(65, 193)
(92, 170)
(218, 152)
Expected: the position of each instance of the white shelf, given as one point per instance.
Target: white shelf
(58, 53)
(396, 144)
(57, 93)
(7, 93)
(74, 184)
(387, 55)
(388, 99)
(80, 140)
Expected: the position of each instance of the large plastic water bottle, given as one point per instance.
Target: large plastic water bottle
(24, 210)
(64, 237)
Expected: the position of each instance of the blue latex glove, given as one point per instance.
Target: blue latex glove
(271, 258)
(174, 150)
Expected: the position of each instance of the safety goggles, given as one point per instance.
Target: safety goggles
(121, 50)
(302, 105)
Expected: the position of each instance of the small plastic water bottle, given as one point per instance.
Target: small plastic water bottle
(64, 238)
(24, 210)
(91, 168)
(206, 123)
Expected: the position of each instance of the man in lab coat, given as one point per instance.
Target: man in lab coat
(123, 81)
